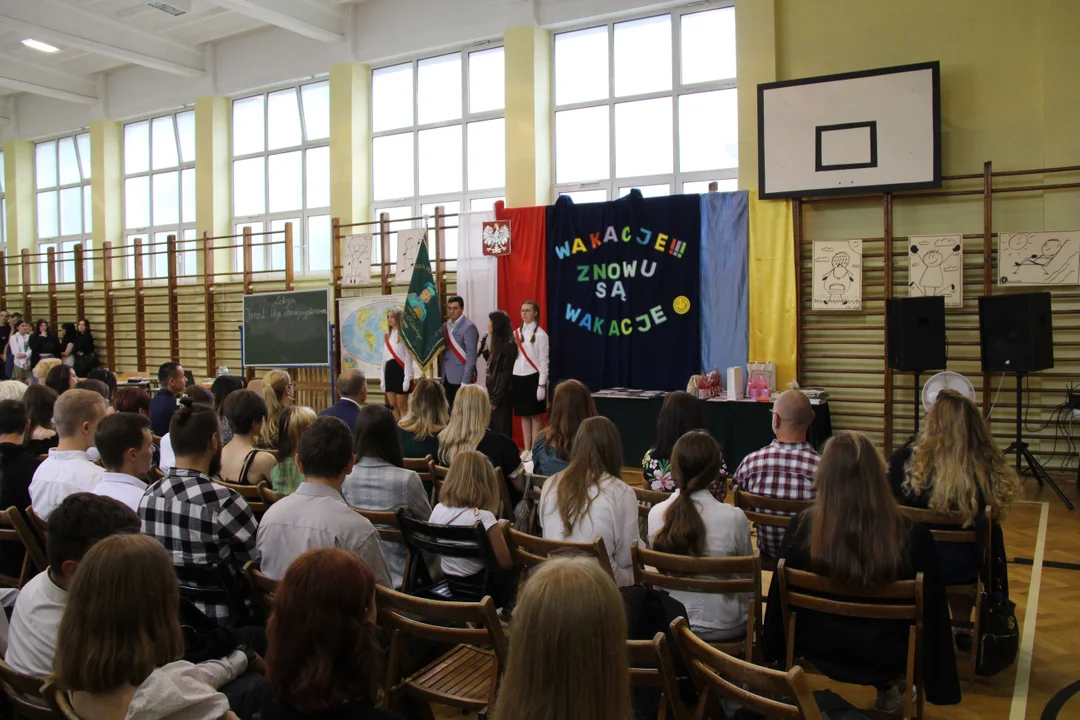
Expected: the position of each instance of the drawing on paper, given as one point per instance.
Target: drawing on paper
(1039, 258)
(408, 245)
(838, 275)
(356, 260)
(936, 268)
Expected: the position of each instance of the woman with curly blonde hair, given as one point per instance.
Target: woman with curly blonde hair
(277, 392)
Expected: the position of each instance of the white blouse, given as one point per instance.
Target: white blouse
(537, 351)
(402, 352)
(20, 343)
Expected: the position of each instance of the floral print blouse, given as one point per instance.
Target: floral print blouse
(657, 474)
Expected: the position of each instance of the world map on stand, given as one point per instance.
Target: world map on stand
(363, 330)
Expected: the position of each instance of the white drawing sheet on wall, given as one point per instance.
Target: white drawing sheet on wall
(408, 245)
(838, 274)
(936, 267)
(356, 257)
(1039, 258)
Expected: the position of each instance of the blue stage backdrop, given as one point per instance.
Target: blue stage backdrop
(623, 291)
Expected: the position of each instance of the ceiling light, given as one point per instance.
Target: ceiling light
(38, 45)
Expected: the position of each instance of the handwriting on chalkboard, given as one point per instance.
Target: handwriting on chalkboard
(285, 308)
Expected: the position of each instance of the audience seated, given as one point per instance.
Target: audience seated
(568, 654)
(589, 498)
(468, 430)
(570, 406)
(12, 390)
(316, 515)
(164, 456)
(131, 400)
(126, 448)
(241, 461)
(855, 535)
(324, 664)
(286, 476)
(680, 413)
(955, 467)
(277, 393)
(61, 379)
(785, 468)
(80, 521)
(199, 521)
(68, 470)
(470, 495)
(418, 432)
(42, 368)
(172, 382)
(693, 522)
(352, 392)
(223, 387)
(17, 468)
(40, 403)
(120, 645)
(379, 480)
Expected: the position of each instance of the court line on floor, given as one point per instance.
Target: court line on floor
(1031, 612)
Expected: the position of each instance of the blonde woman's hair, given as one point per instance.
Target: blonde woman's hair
(12, 390)
(597, 452)
(120, 623)
(41, 370)
(428, 409)
(568, 657)
(471, 483)
(398, 313)
(294, 422)
(958, 463)
(468, 423)
(275, 385)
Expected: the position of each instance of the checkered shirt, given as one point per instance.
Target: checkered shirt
(200, 522)
(779, 470)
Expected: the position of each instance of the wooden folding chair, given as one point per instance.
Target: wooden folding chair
(267, 495)
(59, 701)
(646, 499)
(438, 474)
(39, 526)
(651, 666)
(530, 551)
(24, 693)
(949, 528)
(250, 493)
(36, 560)
(712, 575)
(263, 588)
(534, 486)
(429, 540)
(719, 675)
(467, 676)
(902, 600)
(768, 512)
(12, 542)
(421, 466)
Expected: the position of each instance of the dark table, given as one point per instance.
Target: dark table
(741, 427)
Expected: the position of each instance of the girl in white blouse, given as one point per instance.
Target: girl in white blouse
(19, 346)
(398, 366)
(589, 498)
(529, 384)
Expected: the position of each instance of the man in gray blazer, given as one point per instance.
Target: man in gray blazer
(459, 357)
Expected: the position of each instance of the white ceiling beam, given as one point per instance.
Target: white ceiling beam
(69, 25)
(317, 22)
(19, 75)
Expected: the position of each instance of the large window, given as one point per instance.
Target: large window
(281, 174)
(64, 207)
(439, 138)
(159, 192)
(648, 104)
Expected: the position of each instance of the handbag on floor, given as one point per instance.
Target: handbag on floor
(999, 633)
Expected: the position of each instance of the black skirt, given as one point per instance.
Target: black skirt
(395, 377)
(523, 388)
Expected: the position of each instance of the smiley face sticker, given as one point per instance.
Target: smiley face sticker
(681, 305)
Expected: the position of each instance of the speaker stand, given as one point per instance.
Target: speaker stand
(1024, 453)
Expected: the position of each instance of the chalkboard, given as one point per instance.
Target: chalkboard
(287, 329)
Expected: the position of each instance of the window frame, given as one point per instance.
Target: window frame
(614, 185)
(57, 242)
(303, 215)
(416, 201)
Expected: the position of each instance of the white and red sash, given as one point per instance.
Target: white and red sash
(455, 346)
(390, 347)
(521, 346)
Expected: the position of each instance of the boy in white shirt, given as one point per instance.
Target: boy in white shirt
(68, 470)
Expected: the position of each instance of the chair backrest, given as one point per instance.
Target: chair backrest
(438, 474)
(719, 675)
(529, 551)
(460, 541)
(506, 505)
(752, 504)
(267, 495)
(421, 466)
(647, 498)
(250, 493)
(59, 702)
(35, 554)
(21, 690)
(262, 587)
(385, 522)
(41, 527)
(651, 665)
(534, 486)
(213, 584)
(453, 623)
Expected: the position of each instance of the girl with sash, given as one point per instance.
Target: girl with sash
(397, 366)
(530, 379)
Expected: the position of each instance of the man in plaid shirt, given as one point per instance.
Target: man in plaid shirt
(198, 521)
(784, 469)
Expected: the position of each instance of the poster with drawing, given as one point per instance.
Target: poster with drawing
(408, 244)
(1039, 258)
(838, 275)
(936, 268)
(356, 258)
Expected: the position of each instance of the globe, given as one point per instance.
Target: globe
(362, 335)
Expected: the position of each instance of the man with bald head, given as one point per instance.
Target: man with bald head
(784, 469)
(352, 389)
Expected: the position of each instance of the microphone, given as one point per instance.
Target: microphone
(483, 341)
